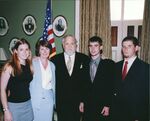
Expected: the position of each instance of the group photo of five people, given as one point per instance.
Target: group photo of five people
(76, 86)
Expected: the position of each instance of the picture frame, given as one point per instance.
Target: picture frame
(4, 27)
(59, 25)
(29, 24)
(12, 43)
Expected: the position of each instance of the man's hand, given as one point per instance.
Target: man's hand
(81, 107)
(105, 111)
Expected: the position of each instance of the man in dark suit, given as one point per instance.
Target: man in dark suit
(70, 80)
(131, 96)
(100, 84)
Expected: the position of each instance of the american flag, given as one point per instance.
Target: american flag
(48, 29)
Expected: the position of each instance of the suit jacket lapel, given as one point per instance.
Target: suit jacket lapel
(37, 67)
(132, 68)
(76, 62)
(64, 63)
(120, 70)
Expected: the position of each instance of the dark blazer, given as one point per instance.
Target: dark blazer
(69, 89)
(99, 92)
(131, 96)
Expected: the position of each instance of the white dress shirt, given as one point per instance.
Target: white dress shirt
(130, 62)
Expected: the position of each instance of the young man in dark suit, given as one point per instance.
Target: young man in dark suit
(71, 67)
(131, 96)
(100, 80)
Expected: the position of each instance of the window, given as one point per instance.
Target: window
(126, 19)
(127, 9)
(133, 9)
(115, 8)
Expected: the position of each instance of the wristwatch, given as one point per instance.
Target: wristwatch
(5, 109)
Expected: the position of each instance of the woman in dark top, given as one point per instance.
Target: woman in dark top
(15, 79)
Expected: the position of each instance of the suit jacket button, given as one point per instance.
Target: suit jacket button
(115, 94)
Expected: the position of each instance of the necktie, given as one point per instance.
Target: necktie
(93, 70)
(124, 72)
(69, 63)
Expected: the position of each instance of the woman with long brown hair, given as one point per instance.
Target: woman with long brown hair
(15, 79)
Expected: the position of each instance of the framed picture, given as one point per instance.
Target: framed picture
(59, 25)
(29, 24)
(3, 26)
(12, 43)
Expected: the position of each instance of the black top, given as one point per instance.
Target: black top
(18, 85)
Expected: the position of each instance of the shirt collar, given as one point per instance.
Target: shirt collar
(97, 60)
(130, 60)
(66, 55)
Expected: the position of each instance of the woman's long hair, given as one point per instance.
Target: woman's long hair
(14, 61)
